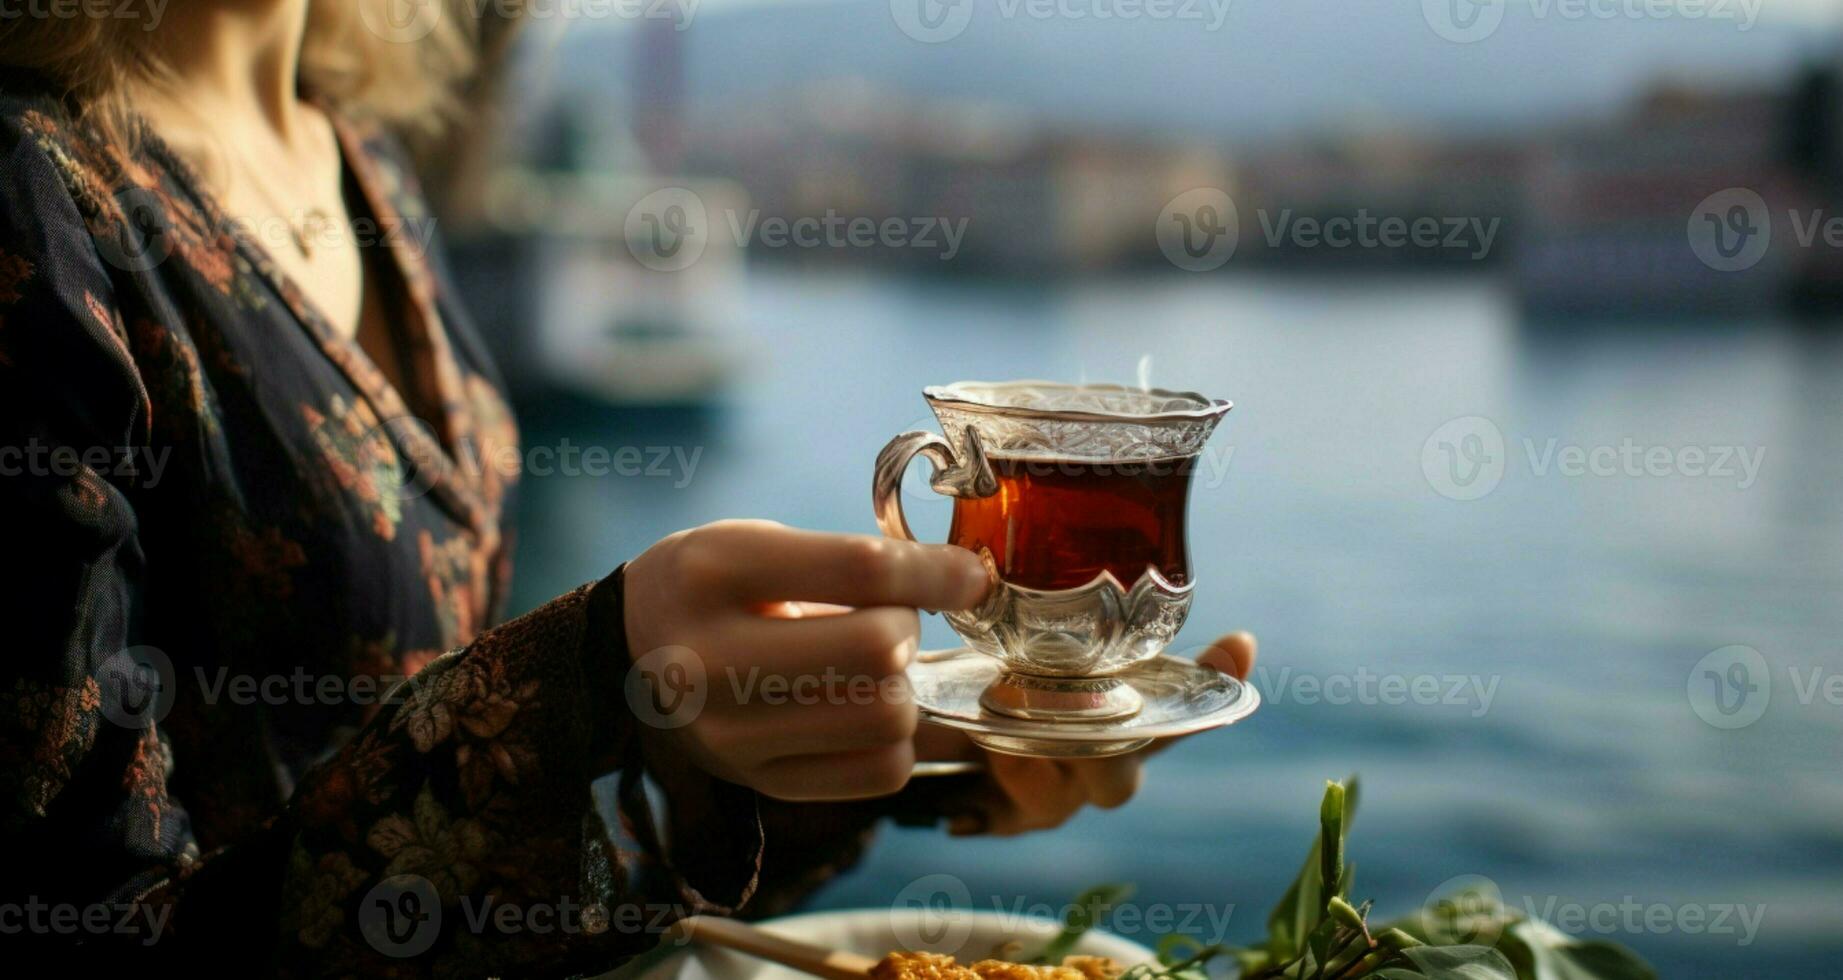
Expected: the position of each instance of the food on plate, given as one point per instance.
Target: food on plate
(936, 966)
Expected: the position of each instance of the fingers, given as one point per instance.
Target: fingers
(938, 743)
(1109, 782)
(838, 776)
(871, 643)
(804, 638)
(764, 561)
(794, 609)
(1232, 654)
(815, 724)
(1032, 794)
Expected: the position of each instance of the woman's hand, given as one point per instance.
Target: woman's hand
(1023, 794)
(800, 640)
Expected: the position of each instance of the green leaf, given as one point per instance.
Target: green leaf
(1331, 839)
(1180, 954)
(1250, 962)
(1542, 952)
(1460, 962)
(1471, 916)
(1344, 913)
(1320, 940)
(1300, 909)
(1089, 909)
(1175, 948)
(1397, 939)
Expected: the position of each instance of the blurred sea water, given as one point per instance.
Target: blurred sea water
(1562, 621)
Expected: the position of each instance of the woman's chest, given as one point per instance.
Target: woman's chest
(304, 522)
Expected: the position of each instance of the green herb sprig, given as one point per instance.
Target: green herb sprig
(1316, 933)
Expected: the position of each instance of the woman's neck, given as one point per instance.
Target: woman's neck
(236, 59)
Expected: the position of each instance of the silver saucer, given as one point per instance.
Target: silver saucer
(1180, 697)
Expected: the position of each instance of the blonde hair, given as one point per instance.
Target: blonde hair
(354, 56)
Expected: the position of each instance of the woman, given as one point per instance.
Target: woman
(205, 365)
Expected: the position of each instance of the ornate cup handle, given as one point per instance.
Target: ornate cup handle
(966, 474)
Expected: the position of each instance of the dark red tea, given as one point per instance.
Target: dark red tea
(1057, 523)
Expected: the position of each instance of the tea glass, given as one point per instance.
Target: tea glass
(1074, 498)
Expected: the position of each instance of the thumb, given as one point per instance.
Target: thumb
(1232, 654)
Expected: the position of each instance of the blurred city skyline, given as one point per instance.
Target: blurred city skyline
(1269, 71)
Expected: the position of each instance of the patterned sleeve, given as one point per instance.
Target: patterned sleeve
(455, 834)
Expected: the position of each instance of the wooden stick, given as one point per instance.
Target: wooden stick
(833, 964)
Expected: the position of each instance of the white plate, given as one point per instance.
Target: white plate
(967, 935)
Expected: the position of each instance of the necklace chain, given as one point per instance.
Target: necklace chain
(312, 222)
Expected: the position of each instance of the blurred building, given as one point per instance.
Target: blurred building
(1381, 175)
(1609, 206)
(1034, 200)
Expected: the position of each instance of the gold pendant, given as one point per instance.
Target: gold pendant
(312, 223)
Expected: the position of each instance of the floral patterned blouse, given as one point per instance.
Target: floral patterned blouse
(228, 534)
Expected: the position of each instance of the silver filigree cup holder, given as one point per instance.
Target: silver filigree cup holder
(1062, 652)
